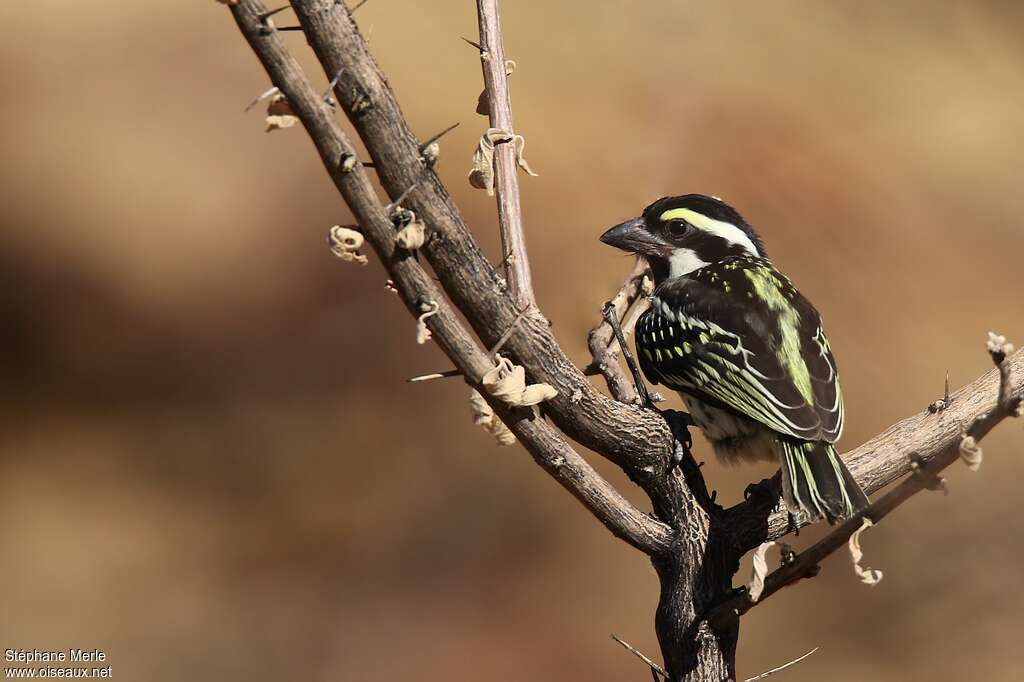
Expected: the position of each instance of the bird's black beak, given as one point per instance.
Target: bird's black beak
(633, 236)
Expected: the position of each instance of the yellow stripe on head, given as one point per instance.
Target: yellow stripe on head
(719, 228)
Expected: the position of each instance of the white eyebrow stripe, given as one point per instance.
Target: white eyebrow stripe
(719, 228)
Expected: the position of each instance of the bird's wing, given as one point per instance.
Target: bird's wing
(737, 333)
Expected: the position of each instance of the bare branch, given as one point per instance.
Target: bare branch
(886, 457)
(510, 216)
(925, 474)
(543, 442)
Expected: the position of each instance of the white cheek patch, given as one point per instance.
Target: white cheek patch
(683, 262)
(719, 228)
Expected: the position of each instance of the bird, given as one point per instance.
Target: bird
(743, 347)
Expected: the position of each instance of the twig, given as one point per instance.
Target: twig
(601, 341)
(638, 380)
(769, 673)
(510, 217)
(655, 668)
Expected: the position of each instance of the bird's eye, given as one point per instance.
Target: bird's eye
(676, 228)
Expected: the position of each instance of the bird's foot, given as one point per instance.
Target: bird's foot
(683, 441)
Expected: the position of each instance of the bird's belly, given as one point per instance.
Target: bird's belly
(736, 438)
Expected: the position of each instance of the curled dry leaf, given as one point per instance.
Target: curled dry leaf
(756, 585)
(279, 113)
(868, 576)
(997, 345)
(646, 286)
(413, 234)
(507, 383)
(970, 452)
(345, 243)
(423, 334)
(481, 175)
(483, 415)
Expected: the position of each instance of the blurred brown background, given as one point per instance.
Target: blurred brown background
(210, 466)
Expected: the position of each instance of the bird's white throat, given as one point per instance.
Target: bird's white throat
(683, 262)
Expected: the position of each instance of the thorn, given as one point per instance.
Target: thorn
(368, 164)
(436, 375)
(269, 93)
(358, 5)
(329, 93)
(437, 137)
(714, 495)
(290, 28)
(944, 402)
(508, 332)
(263, 16)
(476, 45)
(655, 668)
(390, 208)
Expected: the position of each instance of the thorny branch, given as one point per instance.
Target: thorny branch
(924, 476)
(499, 112)
(694, 544)
(416, 287)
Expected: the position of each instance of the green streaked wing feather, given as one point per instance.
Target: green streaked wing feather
(738, 334)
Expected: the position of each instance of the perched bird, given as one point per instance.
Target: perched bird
(744, 349)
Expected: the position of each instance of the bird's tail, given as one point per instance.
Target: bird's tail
(815, 480)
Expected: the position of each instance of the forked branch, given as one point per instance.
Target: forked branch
(543, 442)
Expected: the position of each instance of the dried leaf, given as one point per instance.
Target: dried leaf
(481, 175)
(483, 415)
(279, 113)
(507, 383)
(412, 236)
(345, 243)
(756, 585)
(646, 286)
(970, 452)
(998, 345)
(868, 576)
(483, 105)
(423, 334)
(519, 143)
(535, 394)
